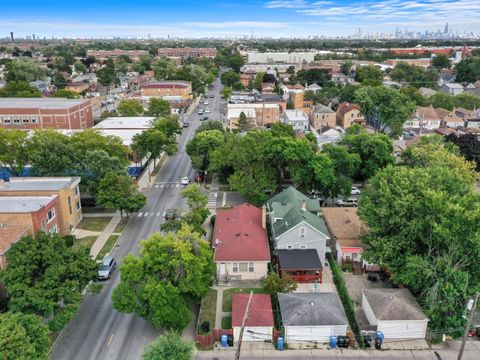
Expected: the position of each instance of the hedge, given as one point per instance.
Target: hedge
(344, 296)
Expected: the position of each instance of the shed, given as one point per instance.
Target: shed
(312, 317)
(395, 312)
(259, 324)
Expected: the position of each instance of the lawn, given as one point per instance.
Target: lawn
(227, 296)
(121, 225)
(107, 247)
(85, 242)
(227, 322)
(207, 310)
(94, 223)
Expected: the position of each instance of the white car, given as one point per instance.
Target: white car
(185, 180)
(207, 111)
(347, 202)
(205, 102)
(355, 191)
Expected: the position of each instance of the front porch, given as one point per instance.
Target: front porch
(303, 266)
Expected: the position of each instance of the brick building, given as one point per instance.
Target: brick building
(257, 114)
(9, 235)
(43, 113)
(185, 53)
(65, 189)
(168, 88)
(103, 55)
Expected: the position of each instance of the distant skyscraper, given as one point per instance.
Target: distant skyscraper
(445, 31)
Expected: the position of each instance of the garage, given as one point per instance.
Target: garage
(395, 312)
(259, 322)
(312, 317)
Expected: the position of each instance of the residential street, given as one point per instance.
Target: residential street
(98, 331)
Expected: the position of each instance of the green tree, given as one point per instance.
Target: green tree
(19, 89)
(62, 93)
(169, 346)
(171, 271)
(369, 75)
(388, 106)
(415, 75)
(319, 76)
(374, 150)
(24, 70)
(229, 78)
(347, 93)
(44, 275)
(468, 70)
(14, 149)
(80, 67)
(158, 107)
(169, 125)
(210, 125)
(119, 192)
(442, 100)
(259, 80)
(164, 69)
(201, 145)
(23, 337)
(281, 130)
(243, 122)
(414, 95)
(130, 107)
(346, 67)
(440, 62)
(107, 76)
(467, 101)
(152, 143)
(226, 92)
(273, 284)
(469, 147)
(197, 208)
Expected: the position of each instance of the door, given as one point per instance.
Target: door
(223, 269)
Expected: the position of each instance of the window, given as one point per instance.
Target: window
(303, 246)
(235, 267)
(77, 191)
(70, 205)
(7, 119)
(53, 229)
(16, 119)
(303, 231)
(289, 247)
(251, 267)
(51, 214)
(25, 120)
(77, 205)
(34, 119)
(243, 267)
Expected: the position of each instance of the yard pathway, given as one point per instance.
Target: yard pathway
(105, 234)
(219, 311)
(98, 215)
(81, 233)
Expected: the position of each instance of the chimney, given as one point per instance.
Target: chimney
(304, 205)
(264, 217)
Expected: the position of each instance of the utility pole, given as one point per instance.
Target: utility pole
(467, 327)
(244, 321)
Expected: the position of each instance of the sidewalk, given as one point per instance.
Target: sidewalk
(104, 235)
(219, 311)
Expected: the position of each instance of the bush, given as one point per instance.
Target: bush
(63, 317)
(344, 296)
(69, 240)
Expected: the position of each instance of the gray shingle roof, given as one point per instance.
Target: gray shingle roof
(394, 304)
(311, 309)
(298, 259)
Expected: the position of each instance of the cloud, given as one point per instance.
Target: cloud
(238, 24)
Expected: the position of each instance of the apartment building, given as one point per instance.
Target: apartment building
(103, 55)
(65, 189)
(349, 114)
(45, 113)
(9, 235)
(322, 116)
(297, 119)
(187, 52)
(257, 114)
(168, 88)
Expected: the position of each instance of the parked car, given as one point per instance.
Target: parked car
(205, 102)
(172, 214)
(212, 96)
(200, 111)
(200, 176)
(205, 118)
(186, 124)
(355, 191)
(185, 180)
(106, 268)
(347, 202)
(207, 111)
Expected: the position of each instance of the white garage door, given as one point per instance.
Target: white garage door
(257, 334)
(403, 329)
(303, 333)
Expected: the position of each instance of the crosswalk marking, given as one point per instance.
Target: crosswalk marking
(146, 214)
(177, 185)
(156, 186)
(162, 185)
(158, 214)
(164, 213)
(140, 214)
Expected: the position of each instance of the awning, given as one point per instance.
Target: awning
(352, 250)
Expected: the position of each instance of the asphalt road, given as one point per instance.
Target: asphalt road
(98, 331)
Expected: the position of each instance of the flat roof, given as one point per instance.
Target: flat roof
(126, 135)
(42, 103)
(24, 204)
(134, 122)
(38, 183)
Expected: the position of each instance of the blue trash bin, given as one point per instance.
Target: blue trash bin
(380, 336)
(333, 342)
(224, 340)
(280, 343)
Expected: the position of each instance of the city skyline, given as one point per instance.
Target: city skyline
(197, 19)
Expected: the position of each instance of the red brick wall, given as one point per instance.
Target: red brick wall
(39, 216)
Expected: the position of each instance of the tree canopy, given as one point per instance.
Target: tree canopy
(130, 107)
(158, 107)
(160, 284)
(369, 75)
(468, 70)
(20, 89)
(24, 69)
(169, 346)
(415, 75)
(202, 144)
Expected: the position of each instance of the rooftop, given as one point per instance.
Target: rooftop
(311, 309)
(10, 234)
(24, 204)
(123, 123)
(39, 103)
(294, 217)
(322, 109)
(240, 235)
(345, 225)
(345, 107)
(38, 183)
(394, 304)
(297, 259)
(295, 115)
(260, 314)
(167, 85)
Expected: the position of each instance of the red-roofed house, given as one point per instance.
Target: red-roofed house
(348, 114)
(259, 324)
(241, 243)
(168, 88)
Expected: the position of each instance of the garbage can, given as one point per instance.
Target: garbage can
(224, 340)
(280, 343)
(333, 342)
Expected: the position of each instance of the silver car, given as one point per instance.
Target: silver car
(105, 270)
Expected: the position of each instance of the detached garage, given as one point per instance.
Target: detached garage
(312, 317)
(259, 323)
(395, 312)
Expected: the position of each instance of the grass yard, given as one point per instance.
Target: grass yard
(227, 296)
(107, 247)
(207, 310)
(85, 242)
(121, 225)
(94, 223)
(227, 322)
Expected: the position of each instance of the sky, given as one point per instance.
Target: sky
(234, 18)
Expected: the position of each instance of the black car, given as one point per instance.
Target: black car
(172, 214)
(186, 124)
(204, 118)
